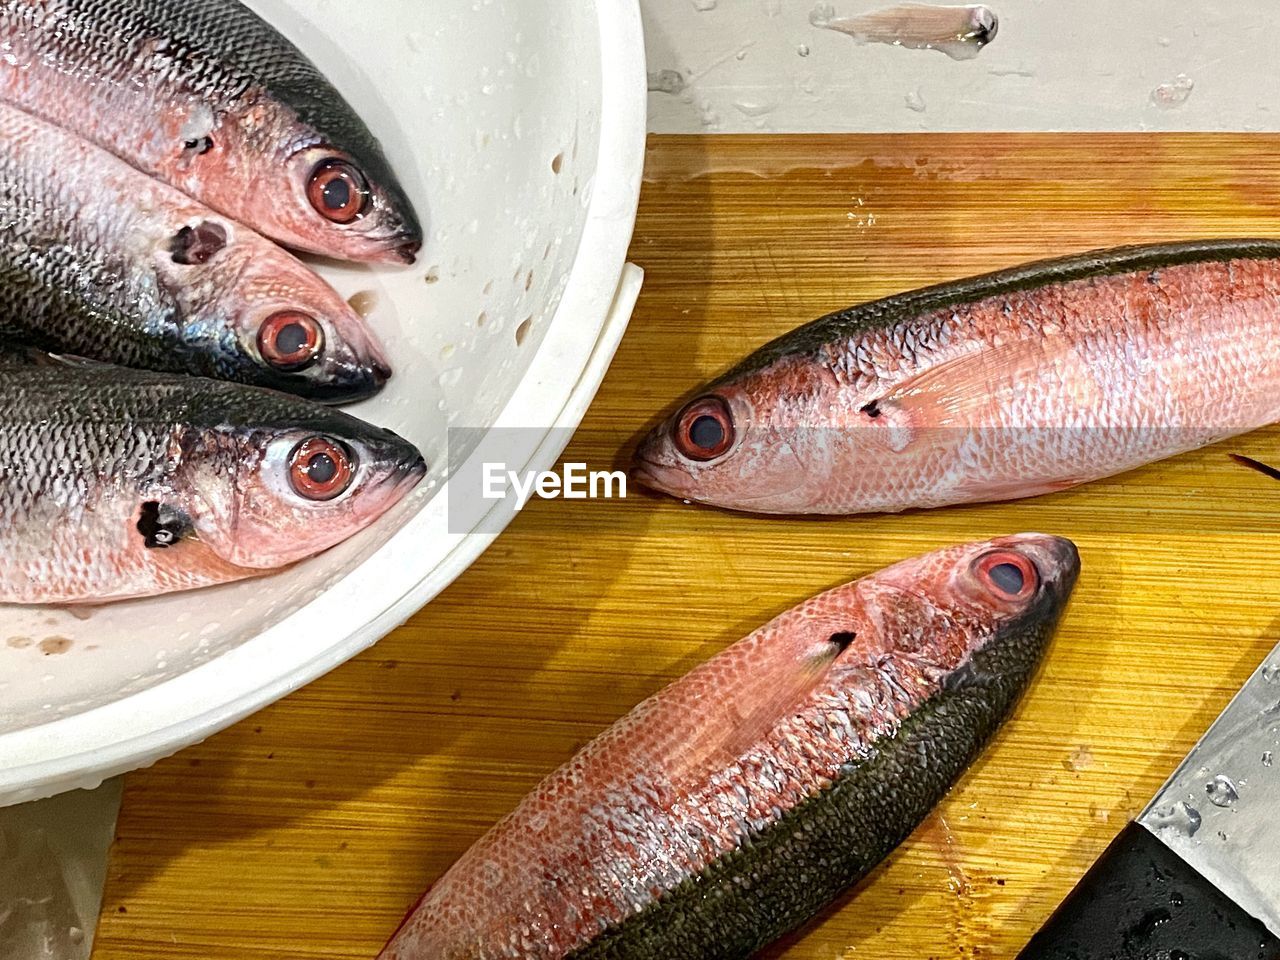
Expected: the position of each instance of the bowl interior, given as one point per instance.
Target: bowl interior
(490, 112)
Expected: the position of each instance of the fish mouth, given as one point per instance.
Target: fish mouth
(352, 386)
(650, 476)
(400, 481)
(407, 250)
(400, 250)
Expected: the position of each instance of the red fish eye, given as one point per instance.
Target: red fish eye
(290, 340)
(338, 191)
(321, 469)
(1009, 575)
(704, 429)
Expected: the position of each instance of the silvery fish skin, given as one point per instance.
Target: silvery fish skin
(1019, 383)
(101, 261)
(735, 804)
(119, 483)
(211, 99)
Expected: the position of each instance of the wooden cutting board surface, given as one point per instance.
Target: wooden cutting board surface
(310, 829)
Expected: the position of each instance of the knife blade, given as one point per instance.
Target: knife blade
(1197, 875)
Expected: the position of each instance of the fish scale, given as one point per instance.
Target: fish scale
(679, 833)
(149, 79)
(83, 447)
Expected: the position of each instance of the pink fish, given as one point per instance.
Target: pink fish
(733, 805)
(210, 98)
(1011, 385)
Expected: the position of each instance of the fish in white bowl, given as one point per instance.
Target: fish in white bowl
(215, 101)
(118, 483)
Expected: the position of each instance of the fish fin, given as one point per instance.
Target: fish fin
(1264, 469)
(72, 360)
(19, 354)
(961, 392)
(953, 390)
(777, 694)
(986, 491)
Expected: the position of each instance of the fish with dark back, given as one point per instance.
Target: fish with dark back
(735, 804)
(1023, 382)
(101, 261)
(215, 101)
(118, 483)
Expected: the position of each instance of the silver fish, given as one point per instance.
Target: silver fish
(118, 483)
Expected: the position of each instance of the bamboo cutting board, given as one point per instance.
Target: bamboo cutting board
(309, 830)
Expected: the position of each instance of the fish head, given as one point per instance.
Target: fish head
(746, 443)
(946, 604)
(277, 488)
(276, 323)
(338, 205)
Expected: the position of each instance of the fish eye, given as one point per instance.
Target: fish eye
(704, 429)
(1008, 575)
(321, 469)
(290, 340)
(338, 191)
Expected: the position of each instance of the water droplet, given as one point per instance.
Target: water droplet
(1271, 673)
(1266, 759)
(916, 102)
(1174, 94)
(702, 6)
(822, 14)
(1222, 792)
(755, 108)
(803, 49)
(1222, 836)
(666, 81)
(451, 378)
(1180, 817)
(364, 303)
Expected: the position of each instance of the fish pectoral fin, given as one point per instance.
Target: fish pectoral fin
(778, 693)
(959, 391)
(71, 360)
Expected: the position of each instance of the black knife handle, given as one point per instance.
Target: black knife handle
(1141, 901)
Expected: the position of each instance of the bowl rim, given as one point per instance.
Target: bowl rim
(82, 750)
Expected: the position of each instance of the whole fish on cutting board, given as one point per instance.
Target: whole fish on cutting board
(210, 98)
(118, 483)
(1010, 385)
(101, 261)
(735, 804)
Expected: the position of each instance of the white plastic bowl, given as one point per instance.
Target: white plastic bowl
(518, 126)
